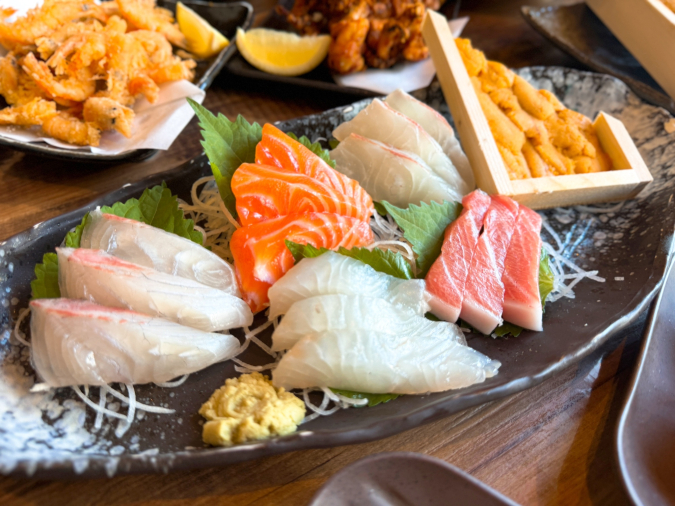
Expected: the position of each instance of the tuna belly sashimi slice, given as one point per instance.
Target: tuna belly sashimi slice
(447, 277)
(380, 122)
(437, 126)
(332, 273)
(342, 312)
(279, 150)
(103, 279)
(264, 192)
(150, 246)
(76, 342)
(407, 361)
(261, 257)
(522, 302)
(484, 291)
(390, 174)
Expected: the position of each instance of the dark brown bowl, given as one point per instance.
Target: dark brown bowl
(405, 479)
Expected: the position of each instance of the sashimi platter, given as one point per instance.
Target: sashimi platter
(326, 280)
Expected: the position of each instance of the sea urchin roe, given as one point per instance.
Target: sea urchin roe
(248, 408)
(535, 133)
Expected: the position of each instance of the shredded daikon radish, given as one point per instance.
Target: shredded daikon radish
(173, 384)
(20, 336)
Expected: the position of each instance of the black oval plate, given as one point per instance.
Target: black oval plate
(225, 17)
(629, 246)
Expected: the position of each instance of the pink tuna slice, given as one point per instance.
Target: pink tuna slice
(447, 276)
(484, 290)
(522, 304)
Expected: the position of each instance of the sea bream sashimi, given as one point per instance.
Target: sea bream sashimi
(332, 273)
(390, 174)
(279, 150)
(263, 192)
(261, 257)
(380, 122)
(150, 246)
(435, 125)
(484, 290)
(103, 279)
(75, 342)
(522, 301)
(343, 312)
(380, 362)
(447, 277)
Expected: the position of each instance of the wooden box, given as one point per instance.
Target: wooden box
(629, 176)
(647, 29)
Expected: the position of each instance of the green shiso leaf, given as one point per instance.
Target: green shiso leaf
(227, 144)
(156, 207)
(384, 261)
(381, 210)
(507, 328)
(333, 143)
(373, 399)
(314, 148)
(546, 278)
(46, 282)
(423, 227)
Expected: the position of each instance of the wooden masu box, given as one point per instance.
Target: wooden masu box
(629, 175)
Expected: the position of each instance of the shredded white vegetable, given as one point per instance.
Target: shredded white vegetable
(20, 336)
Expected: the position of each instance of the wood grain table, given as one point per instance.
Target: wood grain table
(551, 444)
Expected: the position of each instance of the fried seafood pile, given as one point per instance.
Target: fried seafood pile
(376, 33)
(74, 68)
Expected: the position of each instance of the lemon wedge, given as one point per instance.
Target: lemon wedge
(203, 40)
(282, 53)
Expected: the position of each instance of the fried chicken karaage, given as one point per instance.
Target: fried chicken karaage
(373, 33)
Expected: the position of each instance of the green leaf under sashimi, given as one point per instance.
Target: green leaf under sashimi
(423, 227)
(373, 399)
(546, 278)
(314, 147)
(157, 206)
(227, 144)
(385, 261)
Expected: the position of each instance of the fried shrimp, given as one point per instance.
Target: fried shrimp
(78, 87)
(30, 114)
(106, 114)
(68, 128)
(75, 67)
(144, 15)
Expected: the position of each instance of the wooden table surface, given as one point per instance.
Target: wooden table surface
(551, 444)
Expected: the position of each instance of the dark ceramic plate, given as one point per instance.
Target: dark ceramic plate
(405, 479)
(646, 432)
(578, 31)
(225, 17)
(629, 245)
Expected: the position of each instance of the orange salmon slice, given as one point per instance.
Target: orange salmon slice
(279, 150)
(261, 256)
(264, 192)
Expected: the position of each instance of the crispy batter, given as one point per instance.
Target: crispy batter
(378, 33)
(75, 67)
(536, 134)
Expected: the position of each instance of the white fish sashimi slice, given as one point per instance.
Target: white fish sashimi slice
(80, 343)
(341, 312)
(380, 122)
(153, 247)
(436, 126)
(390, 174)
(379, 362)
(332, 273)
(101, 278)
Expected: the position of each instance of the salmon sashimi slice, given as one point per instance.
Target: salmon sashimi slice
(447, 277)
(522, 302)
(261, 256)
(264, 192)
(484, 291)
(279, 150)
